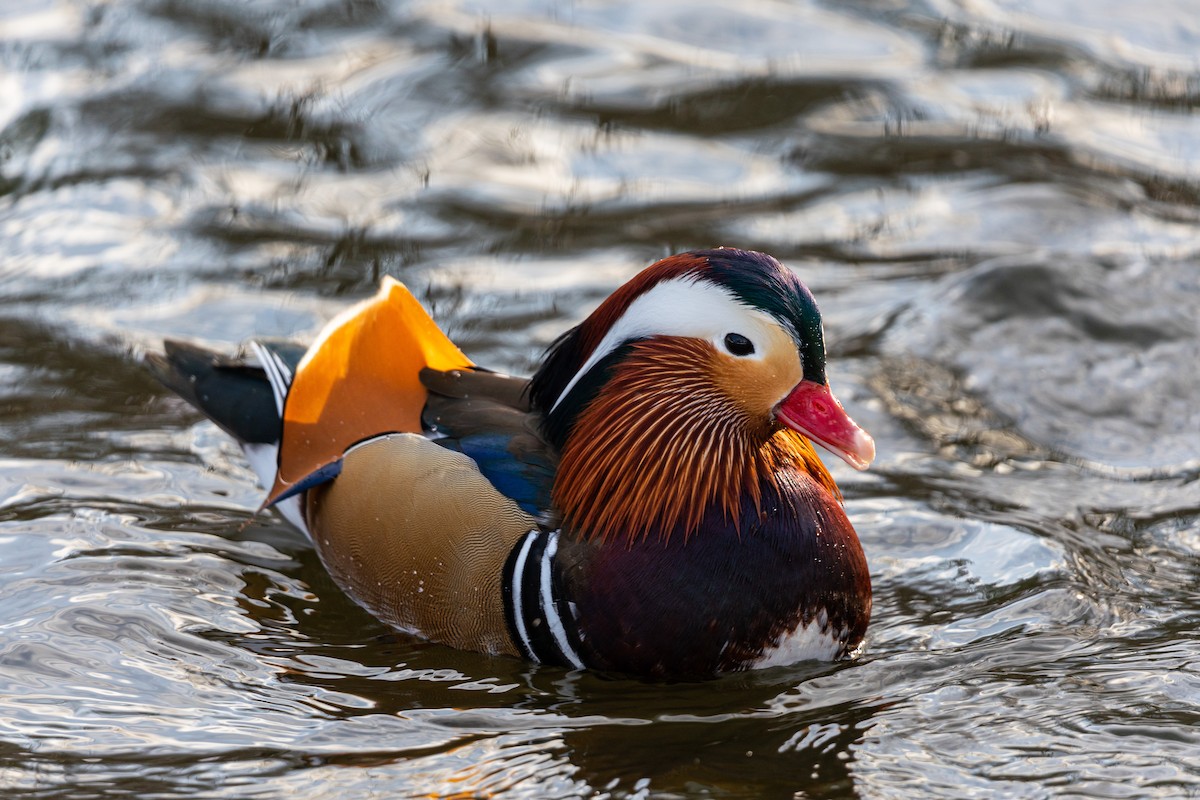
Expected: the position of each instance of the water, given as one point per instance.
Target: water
(997, 204)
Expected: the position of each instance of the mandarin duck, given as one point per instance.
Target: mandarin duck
(648, 503)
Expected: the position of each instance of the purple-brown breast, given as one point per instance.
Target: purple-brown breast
(715, 601)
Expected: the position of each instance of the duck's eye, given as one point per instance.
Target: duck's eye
(738, 345)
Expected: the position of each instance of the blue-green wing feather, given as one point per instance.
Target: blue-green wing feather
(484, 416)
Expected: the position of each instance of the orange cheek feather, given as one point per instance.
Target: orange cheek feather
(757, 385)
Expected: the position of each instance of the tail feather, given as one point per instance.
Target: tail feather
(233, 393)
(239, 396)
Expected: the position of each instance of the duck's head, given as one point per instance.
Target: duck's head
(720, 332)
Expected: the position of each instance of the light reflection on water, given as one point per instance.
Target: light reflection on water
(995, 204)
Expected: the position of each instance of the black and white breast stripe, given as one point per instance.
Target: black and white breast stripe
(539, 618)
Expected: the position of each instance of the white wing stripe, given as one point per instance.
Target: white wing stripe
(276, 371)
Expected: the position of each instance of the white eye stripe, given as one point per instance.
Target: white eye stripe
(689, 307)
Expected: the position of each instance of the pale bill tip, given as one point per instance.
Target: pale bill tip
(861, 451)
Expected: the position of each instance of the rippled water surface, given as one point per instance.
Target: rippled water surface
(997, 204)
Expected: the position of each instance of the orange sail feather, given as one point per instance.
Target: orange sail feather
(360, 379)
